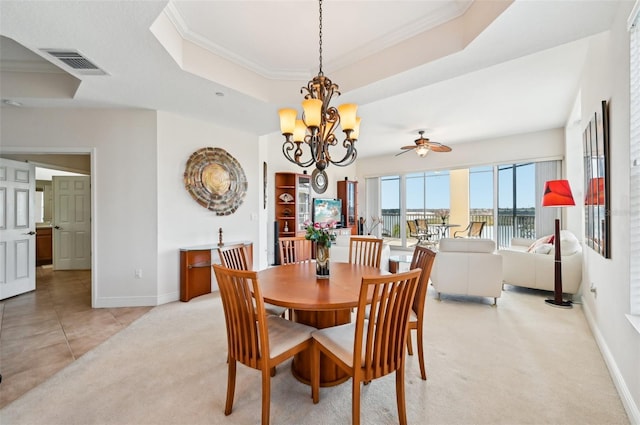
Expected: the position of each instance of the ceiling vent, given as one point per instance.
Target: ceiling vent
(74, 60)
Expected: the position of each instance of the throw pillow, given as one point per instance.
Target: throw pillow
(543, 240)
(545, 248)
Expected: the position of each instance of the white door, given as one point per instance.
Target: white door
(71, 223)
(17, 228)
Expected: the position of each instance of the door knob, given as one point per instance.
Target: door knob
(30, 233)
(57, 227)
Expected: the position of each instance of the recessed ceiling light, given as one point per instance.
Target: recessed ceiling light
(11, 102)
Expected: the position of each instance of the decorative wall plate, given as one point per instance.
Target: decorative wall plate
(215, 180)
(286, 197)
(319, 181)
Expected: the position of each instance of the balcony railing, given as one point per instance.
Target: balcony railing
(509, 226)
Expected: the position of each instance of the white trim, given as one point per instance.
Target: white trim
(633, 411)
(631, 21)
(635, 322)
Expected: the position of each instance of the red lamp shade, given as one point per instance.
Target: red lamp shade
(557, 193)
(595, 192)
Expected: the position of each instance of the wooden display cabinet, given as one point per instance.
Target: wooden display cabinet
(348, 192)
(292, 213)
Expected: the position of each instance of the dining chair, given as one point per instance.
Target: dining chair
(235, 257)
(370, 349)
(255, 339)
(294, 249)
(366, 251)
(423, 259)
(473, 230)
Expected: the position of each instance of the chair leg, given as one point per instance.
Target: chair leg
(400, 397)
(420, 339)
(409, 343)
(266, 396)
(355, 402)
(315, 372)
(231, 385)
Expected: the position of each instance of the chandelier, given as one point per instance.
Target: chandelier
(314, 133)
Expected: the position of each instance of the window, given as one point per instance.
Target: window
(390, 208)
(481, 198)
(516, 202)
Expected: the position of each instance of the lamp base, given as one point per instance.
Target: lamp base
(561, 304)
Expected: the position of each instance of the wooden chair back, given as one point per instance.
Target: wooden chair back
(378, 335)
(249, 331)
(244, 314)
(366, 251)
(423, 258)
(380, 343)
(295, 249)
(234, 257)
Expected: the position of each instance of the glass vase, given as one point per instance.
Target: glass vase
(322, 260)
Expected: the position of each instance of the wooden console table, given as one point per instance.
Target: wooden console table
(195, 268)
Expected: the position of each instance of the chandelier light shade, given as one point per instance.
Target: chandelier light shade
(557, 193)
(308, 140)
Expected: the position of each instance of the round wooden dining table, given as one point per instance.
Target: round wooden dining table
(318, 302)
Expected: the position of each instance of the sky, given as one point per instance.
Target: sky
(481, 188)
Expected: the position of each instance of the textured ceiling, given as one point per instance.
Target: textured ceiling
(464, 71)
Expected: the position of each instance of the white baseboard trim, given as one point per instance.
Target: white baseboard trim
(627, 400)
(114, 302)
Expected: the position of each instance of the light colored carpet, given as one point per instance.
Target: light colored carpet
(519, 363)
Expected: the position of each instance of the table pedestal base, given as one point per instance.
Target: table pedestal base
(330, 373)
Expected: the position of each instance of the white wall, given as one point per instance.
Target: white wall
(182, 222)
(541, 145)
(124, 186)
(606, 77)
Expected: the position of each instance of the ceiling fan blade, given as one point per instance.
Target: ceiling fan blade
(408, 147)
(400, 153)
(440, 148)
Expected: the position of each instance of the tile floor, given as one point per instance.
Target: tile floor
(43, 331)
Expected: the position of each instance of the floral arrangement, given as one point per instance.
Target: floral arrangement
(443, 214)
(321, 232)
(370, 227)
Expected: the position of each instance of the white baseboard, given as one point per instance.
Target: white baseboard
(627, 400)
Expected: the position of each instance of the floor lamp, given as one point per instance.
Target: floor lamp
(557, 193)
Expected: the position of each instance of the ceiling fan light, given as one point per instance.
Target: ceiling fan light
(422, 151)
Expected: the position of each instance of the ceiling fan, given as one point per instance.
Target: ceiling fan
(423, 145)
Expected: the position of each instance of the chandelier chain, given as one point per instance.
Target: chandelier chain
(320, 39)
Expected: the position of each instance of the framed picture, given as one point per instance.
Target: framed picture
(597, 202)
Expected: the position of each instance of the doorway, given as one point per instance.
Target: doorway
(61, 162)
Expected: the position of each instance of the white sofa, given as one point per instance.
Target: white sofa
(468, 266)
(340, 251)
(531, 263)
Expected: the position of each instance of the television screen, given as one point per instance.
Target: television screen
(325, 210)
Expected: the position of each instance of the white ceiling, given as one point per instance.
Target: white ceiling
(450, 67)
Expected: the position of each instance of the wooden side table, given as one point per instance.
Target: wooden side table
(195, 268)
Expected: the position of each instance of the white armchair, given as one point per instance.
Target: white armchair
(468, 267)
(530, 264)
